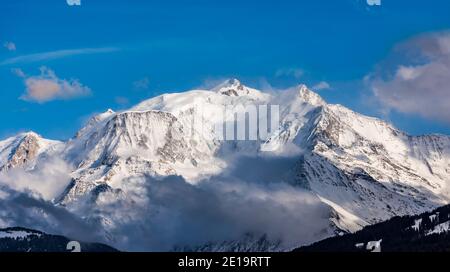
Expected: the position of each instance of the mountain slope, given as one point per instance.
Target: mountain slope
(427, 232)
(369, 171)
(389, 171)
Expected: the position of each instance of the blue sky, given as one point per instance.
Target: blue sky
(121, 52)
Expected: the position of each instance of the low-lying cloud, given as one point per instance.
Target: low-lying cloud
(163, 214)
(27, 200)
(47, 179)
(415, 79)
(168, 213)
(28, 210)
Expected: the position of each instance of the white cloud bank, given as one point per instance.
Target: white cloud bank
(47, 86)
(163, 214)
(48, 179)
(416, 78)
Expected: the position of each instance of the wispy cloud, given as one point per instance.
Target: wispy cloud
(289, 72)
(10, 46)
(323, 85)
(73, 2)
(47, 86)
(18, 72)
(57, 55)
(141, 84)
(122, 101)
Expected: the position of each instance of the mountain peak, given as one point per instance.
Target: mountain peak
(231, 87)
(30, 134)
(233, 81)
(96, 119)
(23, 150)
(310, 97)
(102, 116)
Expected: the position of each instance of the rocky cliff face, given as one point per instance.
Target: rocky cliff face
(23, 150)
(26, 151)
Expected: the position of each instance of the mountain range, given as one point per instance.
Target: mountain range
(155, 169)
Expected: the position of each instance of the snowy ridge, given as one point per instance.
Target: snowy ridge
(368, 168)
(24, 149)
(17, 234)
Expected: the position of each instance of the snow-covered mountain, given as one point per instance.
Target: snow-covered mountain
(368, 171)
(24, 150)
(362, 168)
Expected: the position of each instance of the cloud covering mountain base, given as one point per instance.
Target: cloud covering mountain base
(151, 214)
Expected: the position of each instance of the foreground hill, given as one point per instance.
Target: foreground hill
(428, 232)
(26, 240)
